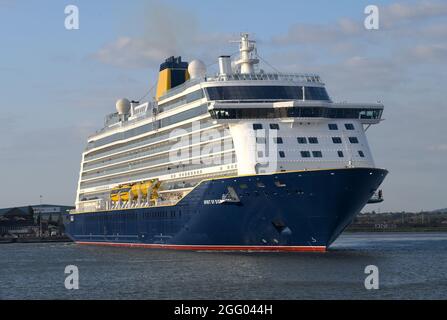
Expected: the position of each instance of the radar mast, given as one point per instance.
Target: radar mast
(248, 57)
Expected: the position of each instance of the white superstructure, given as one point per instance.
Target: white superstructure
(238, 122)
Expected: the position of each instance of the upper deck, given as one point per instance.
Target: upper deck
(238, 85)
(184, 94)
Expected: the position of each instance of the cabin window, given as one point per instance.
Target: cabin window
(274, 126)
(305, 154)
(278, 140)
(317, 154)
(260, 140)
(340, 154)
(361, 154)
(336, 140)
(257, 126)
(313, 140)
(282, 154)
(349, 126)
(353, 140)
(302, 140)
(333, 126)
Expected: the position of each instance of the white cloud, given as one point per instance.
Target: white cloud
(132, 52)
(166, 31)
(407, 18)
(438, 148)
(302, 34)
(415, 10)
(430, 53)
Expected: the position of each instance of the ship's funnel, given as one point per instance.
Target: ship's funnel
(225, 65)
(173, 72)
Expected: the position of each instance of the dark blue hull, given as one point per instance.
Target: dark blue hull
(293, 211)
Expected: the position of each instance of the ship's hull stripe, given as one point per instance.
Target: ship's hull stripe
(210, 247)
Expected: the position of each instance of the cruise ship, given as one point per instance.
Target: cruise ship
(241, 159)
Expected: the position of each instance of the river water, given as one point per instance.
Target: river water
(411, 266)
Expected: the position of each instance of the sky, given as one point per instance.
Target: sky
(57, 85)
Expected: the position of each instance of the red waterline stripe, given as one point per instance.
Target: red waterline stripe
(210, 248)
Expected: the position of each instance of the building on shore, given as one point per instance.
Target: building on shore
(401, 221)
(33, 221)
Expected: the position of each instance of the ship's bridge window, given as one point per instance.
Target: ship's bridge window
(291, 112)
(266, 93)
(315, 93)
(368, 114)
(353, 140)
(255, 93)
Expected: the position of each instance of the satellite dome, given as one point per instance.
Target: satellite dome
(197, 69)
(123, 106)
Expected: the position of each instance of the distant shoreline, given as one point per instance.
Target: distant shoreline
(400, 222)
(34, 240)
(421, 230)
